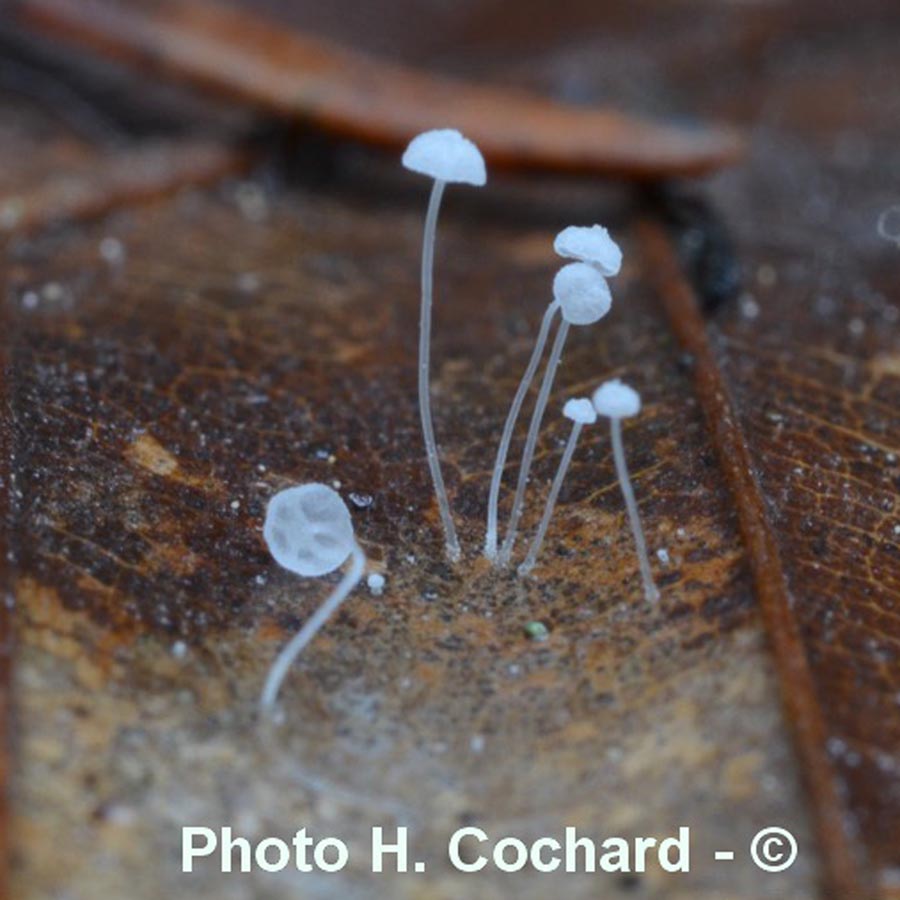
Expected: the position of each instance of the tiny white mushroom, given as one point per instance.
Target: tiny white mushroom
(618, 401)
(309, 532)
(590, 245)
(490, 539)
(447, 157)
(583, 297)
(581, 411)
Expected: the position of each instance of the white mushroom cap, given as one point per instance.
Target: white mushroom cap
(445, 155)
(308, 529)
(580, 410)
(582, 292)
(616, 400)
(590, 245)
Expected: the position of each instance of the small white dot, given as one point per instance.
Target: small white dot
(749, 307)
(248, 282)
(10, 214)
(766, 275)
(112, 251)
(252, 202)
(52, 291)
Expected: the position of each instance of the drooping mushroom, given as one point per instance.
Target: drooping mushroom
(309, 532)
(581, 411)
(583, 297)
(618, 401)
(447, 157)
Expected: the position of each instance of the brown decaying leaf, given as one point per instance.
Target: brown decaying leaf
(148, 398)
(117, 178)
(846, 875)
(308, 79)
(827, 411)
(809, 356)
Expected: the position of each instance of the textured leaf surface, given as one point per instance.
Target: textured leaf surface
(275, 328)
(161, 405)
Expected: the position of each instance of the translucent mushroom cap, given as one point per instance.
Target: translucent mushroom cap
(445, 155)
(582, 292)
(580, 410)
(308, 529)
(616, 400)
(590, 245)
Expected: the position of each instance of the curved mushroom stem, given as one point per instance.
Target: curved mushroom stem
(291, 651)
(650, 590)
(541, 532)
(531, 442)
(431, 450)
(490, 539)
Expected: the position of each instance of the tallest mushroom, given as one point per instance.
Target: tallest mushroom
(447, 157)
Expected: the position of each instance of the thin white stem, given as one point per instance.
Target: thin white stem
(431, 450)
(650, 589)
(531, 442)
(490, 539)
(541, 532)
(291, 651)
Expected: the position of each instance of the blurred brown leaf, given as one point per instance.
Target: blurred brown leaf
(305, 78)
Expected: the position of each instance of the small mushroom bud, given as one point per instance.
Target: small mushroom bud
(618, 401)
(581, 412)
(583, 297)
